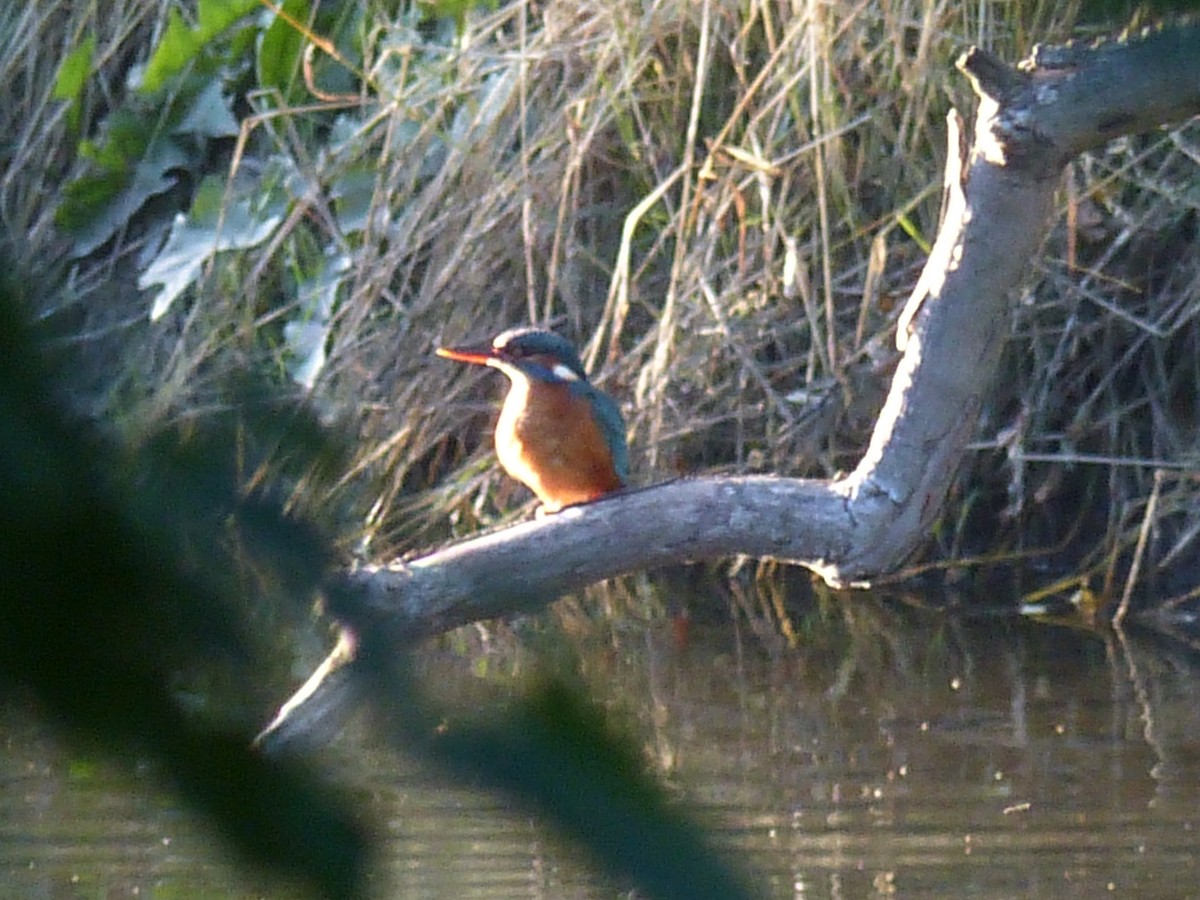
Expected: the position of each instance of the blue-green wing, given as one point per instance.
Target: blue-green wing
(612, 425)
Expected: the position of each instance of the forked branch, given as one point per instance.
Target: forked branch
(1000, 188)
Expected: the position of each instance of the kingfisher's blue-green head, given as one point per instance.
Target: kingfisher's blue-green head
(532, 352)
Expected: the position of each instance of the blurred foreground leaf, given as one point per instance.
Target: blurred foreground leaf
(553, 754)
(117, 578)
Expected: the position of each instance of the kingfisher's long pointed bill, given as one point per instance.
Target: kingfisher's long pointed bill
(478, 355)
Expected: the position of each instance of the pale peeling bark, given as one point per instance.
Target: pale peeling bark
(1000, 192)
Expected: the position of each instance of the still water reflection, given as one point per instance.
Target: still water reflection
(841, 749)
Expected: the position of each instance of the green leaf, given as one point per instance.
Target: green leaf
(279, 52)
(354, 197)
(308, 333)
(181, 44)
(909, 227)
(210, 114)
(133, 164)
(456, 9)
(74, 70)
(73, 73)
(197, 237)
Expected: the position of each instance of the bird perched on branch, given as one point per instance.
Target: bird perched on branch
(557, 434)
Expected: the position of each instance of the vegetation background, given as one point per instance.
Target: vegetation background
(229, 214)
(723, 203)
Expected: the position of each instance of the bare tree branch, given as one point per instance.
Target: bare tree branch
(1000, 193)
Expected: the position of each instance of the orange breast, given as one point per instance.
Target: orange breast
(548, 440)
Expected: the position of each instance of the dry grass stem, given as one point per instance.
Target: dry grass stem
(724, 205)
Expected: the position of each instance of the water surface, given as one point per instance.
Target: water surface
(836, 749)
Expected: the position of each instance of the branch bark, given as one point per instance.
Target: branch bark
(1031, 121)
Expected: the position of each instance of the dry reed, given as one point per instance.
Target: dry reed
(725, 204)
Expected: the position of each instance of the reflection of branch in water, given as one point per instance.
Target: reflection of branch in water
(657, 669)
(748, 599)
(1014, 665)
(1144, 681)
(872, 635)
(878, 628)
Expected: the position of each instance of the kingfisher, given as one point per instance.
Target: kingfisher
(557, 434)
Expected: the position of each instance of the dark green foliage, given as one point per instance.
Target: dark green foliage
(131, 164)
(117, 569)
(183, 101)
